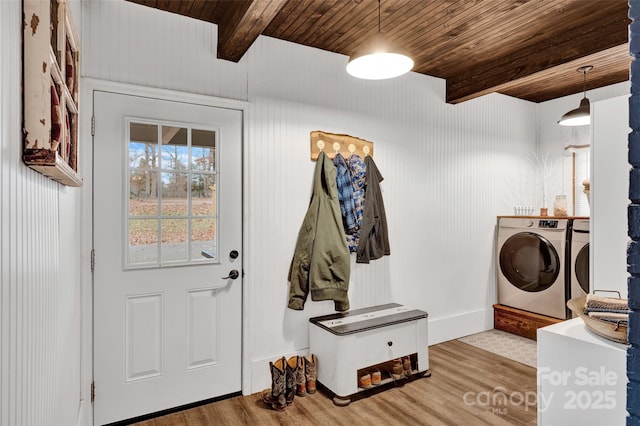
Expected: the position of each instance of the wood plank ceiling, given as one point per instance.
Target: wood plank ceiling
(529, 49)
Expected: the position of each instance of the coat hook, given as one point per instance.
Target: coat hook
(332, 144)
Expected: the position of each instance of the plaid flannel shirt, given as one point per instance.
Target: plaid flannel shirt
(345, 193)
(358, 177)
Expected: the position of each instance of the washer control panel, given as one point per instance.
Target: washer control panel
(548, 224)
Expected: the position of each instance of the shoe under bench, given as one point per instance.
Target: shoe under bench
(351, 344)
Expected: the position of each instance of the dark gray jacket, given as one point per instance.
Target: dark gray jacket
(321, 262)
(374, 234)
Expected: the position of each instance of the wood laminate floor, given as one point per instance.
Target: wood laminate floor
(468, 386)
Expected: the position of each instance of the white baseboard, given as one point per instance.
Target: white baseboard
(459, 325)
(85, 415)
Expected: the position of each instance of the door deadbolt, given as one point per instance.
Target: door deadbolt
(234, 254)
(233, 274)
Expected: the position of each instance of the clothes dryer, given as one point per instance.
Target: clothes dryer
(579, 262)
(531, 257)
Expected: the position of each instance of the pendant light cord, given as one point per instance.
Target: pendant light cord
(584, 70)
(379, 31)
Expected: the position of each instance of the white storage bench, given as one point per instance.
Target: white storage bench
(349, 345)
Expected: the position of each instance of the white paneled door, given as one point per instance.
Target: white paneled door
(168, 260)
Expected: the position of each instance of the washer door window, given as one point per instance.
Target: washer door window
(529, 261)
(582, 268)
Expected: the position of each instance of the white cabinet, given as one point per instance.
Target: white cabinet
(582, 377)
(349, 345)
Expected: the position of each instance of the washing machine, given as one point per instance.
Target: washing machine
(579, 264)
(531, 257)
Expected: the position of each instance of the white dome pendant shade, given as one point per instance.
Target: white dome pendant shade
(380, 66)
(580, 116)
(379, 59)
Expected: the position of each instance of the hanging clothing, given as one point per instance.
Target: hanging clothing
(358, 178)
(374, 237)
(321, 263)
(345, 194)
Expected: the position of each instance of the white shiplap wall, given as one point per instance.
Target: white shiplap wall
(40, 290)
(449, 170)
(126, 42)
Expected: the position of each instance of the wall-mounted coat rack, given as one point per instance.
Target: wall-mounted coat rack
(332, 144)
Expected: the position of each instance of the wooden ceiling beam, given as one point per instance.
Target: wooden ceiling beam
(610, 66)
(613, 67)
(509, 69)
(241, 23)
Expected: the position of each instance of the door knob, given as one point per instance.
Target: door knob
(233, 274)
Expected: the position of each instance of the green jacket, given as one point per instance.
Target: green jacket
(321, 263)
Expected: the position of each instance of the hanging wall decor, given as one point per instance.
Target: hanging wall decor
(332, 143)
(51, 65)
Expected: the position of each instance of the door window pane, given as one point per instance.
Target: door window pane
(203, 194)
(203, 151)
(174, 240)
(203, 238)
(143, 146)
(172, 194)
(143, 241)
(143, 193)
(175, 150)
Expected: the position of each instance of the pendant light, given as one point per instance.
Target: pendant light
(379, 59)
(580, 116)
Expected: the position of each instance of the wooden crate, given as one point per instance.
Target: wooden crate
(522, 323)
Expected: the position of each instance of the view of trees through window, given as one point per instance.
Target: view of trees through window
(172, 213)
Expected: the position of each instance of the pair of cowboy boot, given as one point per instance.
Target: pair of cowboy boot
(295, 376)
